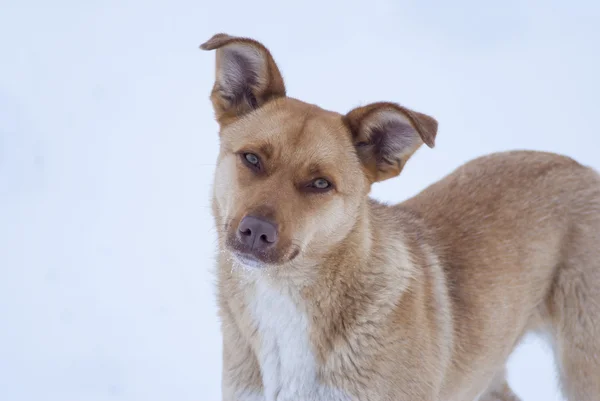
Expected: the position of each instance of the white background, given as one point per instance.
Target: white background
(108, 144)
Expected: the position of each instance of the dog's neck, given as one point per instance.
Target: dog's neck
(320, 286)
(298, 316)
(291, 312)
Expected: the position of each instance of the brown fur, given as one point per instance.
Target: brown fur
(424, 300)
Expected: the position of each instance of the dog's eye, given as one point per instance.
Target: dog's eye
(320, 185)
(251, 160)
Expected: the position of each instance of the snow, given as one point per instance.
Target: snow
(107, 149)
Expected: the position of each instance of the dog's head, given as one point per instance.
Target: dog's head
(292, 178)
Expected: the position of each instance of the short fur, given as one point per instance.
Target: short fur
(423, 300)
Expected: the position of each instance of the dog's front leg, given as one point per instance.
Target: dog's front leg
(241, 378)
(499, 390)
(230, 394)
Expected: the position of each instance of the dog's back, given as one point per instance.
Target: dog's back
(518, 235)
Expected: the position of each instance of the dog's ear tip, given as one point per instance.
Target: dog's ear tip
(216, 41)
(429, 140)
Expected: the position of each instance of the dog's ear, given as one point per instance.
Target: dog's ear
(386, 135)
(246, 76)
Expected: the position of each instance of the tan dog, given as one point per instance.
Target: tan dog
(328, 295)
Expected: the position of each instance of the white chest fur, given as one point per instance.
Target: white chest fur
(288, 366)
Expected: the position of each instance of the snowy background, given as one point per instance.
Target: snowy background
(107, 149)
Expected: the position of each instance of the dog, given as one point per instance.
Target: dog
(325, 294)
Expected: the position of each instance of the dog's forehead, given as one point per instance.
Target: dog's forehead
(292, 127)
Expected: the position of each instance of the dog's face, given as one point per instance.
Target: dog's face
(292, 178)
(287, 181)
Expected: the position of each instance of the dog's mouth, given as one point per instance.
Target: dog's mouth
(247, 261)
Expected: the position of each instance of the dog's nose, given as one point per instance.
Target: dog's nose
(257, 233)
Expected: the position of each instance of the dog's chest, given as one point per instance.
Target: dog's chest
(287, 363)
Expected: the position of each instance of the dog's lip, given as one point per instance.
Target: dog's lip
(248, 260)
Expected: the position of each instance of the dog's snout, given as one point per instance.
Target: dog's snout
(257, 233)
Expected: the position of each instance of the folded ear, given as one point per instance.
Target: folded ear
(386, 135)
(246, 76)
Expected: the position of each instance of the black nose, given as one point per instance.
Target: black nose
(257, 233)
